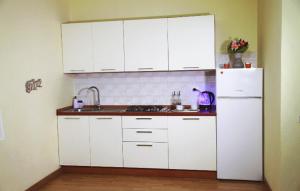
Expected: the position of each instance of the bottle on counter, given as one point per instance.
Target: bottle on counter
(173, 100)
(75, 103)
(179, 106)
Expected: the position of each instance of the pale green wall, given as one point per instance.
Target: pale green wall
(270, 57)
(279, 30)
(290, 98)
(30, 47)
(234, 18)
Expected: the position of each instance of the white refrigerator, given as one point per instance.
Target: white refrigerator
(239, 124)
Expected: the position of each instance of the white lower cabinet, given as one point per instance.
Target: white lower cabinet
(174, 142)
(90, 141)
(192, 143)
(106, 141)
(74, 143)
(145, 155)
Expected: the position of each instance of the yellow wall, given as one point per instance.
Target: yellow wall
(234, 18)
(290, 95)
(279, 30)
(270, 58)
(30, 47)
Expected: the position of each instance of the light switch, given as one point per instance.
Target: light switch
(1, 128)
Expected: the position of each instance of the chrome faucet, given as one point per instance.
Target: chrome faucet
(98, 94)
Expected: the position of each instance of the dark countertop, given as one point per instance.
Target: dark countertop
(121, 111)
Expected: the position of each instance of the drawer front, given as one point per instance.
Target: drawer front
(192, 121)
(144, 122)
(148, 135)
(145, 155)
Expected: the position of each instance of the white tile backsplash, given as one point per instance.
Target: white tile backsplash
(144, 88)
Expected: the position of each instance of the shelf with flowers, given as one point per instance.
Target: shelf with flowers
(236, 48)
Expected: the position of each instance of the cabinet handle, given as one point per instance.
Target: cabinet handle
(143, 131)
(196, 119)
(104, 118)
(191, 67)
(143, 118)
(143, 145)
(145, 68)
(71, 118)
(108, 69)
(77, 70)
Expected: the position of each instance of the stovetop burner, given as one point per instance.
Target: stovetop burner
(146, 108)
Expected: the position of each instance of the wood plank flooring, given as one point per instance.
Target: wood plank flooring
(92, 182)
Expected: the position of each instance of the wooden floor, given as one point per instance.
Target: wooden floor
(85, 182)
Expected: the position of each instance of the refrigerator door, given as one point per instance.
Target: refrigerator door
(239, 138)
(239, 82)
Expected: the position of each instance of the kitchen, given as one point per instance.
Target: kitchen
(131, 84)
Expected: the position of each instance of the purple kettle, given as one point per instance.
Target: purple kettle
(205, 99)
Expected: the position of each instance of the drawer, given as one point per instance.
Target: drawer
(192, 121)
(150, 135)
(145, 155)
(145, 122)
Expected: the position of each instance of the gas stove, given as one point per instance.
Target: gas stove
(147, 108)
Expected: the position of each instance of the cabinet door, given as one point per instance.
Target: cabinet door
(106, 141)
(192, 143)
(77, 47)
(108, 46)
(74, 145)
(191, 43)
(146, 45)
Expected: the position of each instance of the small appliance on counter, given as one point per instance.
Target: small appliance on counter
(205, 100)
(76, 103)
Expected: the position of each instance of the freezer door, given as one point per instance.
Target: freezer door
(239, 139)
(239, 82)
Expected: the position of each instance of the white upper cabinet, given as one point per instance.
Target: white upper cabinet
(191, 43)
(77, 48)
(183, 43)
(146, 45)
(108, 46)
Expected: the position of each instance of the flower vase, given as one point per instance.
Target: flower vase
(237, 61)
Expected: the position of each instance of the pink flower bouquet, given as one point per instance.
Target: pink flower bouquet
(237, 46)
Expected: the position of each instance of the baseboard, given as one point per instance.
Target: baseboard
(45, 180)
(268, 185)
(141, 172)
